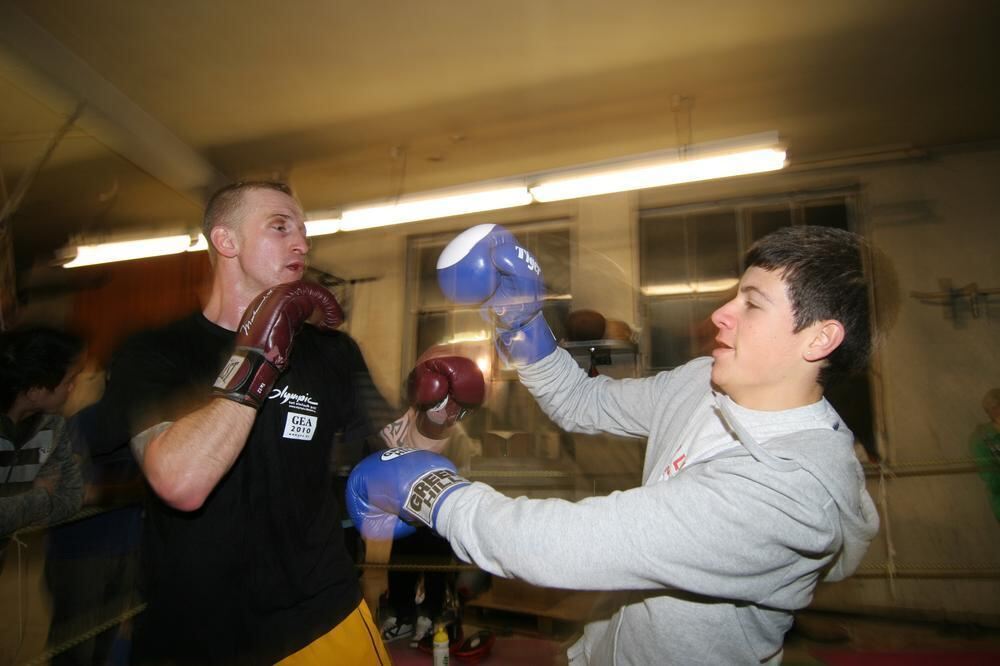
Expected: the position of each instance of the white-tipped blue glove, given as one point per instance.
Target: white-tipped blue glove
(486, 265)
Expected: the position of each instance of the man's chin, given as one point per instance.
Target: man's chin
(289, 275)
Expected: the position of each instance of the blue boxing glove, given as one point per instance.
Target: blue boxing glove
(486, 265)
(392, 491)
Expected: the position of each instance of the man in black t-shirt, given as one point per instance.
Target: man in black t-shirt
(243, 552)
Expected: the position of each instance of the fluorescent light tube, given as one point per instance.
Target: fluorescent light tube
(678, 288)
(87, 255)
(199, 245)
(322, 227)
(431, 206)
(658, 172)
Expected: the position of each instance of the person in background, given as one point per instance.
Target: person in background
(416, 601)
(40, 480)
(985, 445)
(751, 491)
(91, 565)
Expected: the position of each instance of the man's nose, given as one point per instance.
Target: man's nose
(301, 243)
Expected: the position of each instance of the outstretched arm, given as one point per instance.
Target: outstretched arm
(486, 265)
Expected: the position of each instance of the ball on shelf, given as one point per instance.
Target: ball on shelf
(585, 325)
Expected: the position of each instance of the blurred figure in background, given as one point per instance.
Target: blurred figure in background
(91, 565)
(441, 390)
(985, 443)
(40, 481)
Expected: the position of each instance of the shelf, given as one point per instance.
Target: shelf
(588, 345)
(620, 355)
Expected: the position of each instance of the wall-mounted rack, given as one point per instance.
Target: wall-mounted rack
(953, 297)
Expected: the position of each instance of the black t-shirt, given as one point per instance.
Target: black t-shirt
(261, 569)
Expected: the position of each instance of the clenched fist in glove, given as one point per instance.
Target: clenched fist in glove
(392, 491)
(486, 265)
(443, 390)
(265, 336)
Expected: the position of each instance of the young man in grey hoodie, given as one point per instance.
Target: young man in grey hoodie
(751, 490)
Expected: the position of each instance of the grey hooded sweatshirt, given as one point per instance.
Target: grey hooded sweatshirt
(718, 551)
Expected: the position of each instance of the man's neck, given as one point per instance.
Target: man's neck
(226, 302)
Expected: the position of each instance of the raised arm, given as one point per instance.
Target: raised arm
(184, 460)
(486, 266)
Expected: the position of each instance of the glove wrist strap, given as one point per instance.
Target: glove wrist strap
(427, 492)
(528, 343)
(246, 378)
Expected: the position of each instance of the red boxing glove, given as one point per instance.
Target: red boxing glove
(265, 335)
(443, 390)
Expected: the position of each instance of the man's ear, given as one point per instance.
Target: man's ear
(224, 240)
(828, 335)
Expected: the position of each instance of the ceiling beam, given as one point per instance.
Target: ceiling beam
(33, 60)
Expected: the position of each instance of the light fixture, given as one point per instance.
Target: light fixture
(322, 227)
(753, 154)
(102, 253)
(199, 245)
(702, 287)
(432, 205)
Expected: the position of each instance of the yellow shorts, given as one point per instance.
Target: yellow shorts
(356, 640)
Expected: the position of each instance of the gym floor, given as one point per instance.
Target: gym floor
(819, 639)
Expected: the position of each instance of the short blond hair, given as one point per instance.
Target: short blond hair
(225, 202)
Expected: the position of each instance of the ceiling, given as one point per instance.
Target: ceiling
(352, 101)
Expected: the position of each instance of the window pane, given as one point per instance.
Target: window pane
(670, 332)
(551, 249)
(714, 250)
(435, 328)
(430, 329)
(763, 221)
(833, 214)
(428, 292)
(663, 251)
(556, 312)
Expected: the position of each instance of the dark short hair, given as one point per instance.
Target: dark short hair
(823, 269)
(225, 202)
(36, 357)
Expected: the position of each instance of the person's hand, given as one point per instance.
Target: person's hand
(391, 491)
(486, 265)
(375, 580)
(443, 390)
(374, 585)
(265, 335)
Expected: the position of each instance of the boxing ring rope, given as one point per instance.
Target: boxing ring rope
(889, 569)
(46, 656)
